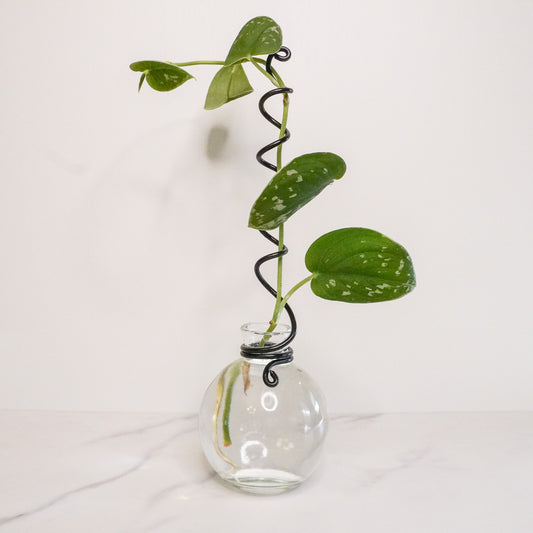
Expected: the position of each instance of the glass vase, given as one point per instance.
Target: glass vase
(259, 438)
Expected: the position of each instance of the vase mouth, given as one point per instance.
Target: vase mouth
(254, 332)
(260, 328)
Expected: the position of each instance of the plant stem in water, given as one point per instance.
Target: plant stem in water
(233, 374)
(218, 402)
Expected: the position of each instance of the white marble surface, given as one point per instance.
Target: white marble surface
(93, 472)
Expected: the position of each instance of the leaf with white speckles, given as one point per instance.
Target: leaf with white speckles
(159, 75)
(229, 83)
(293, 186)
(259, 36)
(359, 265)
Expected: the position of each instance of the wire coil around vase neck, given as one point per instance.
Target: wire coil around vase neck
(262, 344)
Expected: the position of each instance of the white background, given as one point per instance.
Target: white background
(125, 260)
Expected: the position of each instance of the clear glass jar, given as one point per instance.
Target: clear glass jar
(258, 438)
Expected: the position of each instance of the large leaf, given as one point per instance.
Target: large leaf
(259, 36)
(359, 265)
(160, 76)
(293, 186)
(229, 83)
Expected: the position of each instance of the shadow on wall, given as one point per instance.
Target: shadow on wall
(216, 142)
(162, 226)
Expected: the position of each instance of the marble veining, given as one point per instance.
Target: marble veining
(144, 429)
(189, 423)
(85, 472)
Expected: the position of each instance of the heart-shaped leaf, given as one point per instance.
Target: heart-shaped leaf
(293, 186)
(259, 36)
(359, 265)
(229, 83)
(160, 76)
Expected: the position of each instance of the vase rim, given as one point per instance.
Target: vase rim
(260, 328)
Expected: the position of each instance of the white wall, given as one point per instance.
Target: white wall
(125, 261)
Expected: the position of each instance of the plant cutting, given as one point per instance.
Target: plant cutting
(265, 434)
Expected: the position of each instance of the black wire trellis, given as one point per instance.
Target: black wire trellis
(279, 353)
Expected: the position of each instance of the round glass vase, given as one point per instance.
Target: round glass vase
(259, 438)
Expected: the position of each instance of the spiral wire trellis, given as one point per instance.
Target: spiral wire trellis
(279, 353)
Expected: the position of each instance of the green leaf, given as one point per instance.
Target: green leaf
(293, 186)
(259, 36)
(229, 83)
(143, 76)
(160, 76)
(359, 265)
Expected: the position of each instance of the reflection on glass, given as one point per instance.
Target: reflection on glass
(253, 450)
(269, 401)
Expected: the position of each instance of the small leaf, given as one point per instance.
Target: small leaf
(293, 186)
(229, 83)
(143, 76)
(259, 36)
(160, 76)
(142, 66)
(359, 265)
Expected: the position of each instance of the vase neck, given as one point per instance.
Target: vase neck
(269, 347)
(259, 334)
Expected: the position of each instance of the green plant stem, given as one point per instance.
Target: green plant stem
(279, 287)
(279, 81)
(279, 308)
(192, 63)
(233, 374)
(275, 78)
(218, 401)
(283, 128)
(281, 232)
(291, 292)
